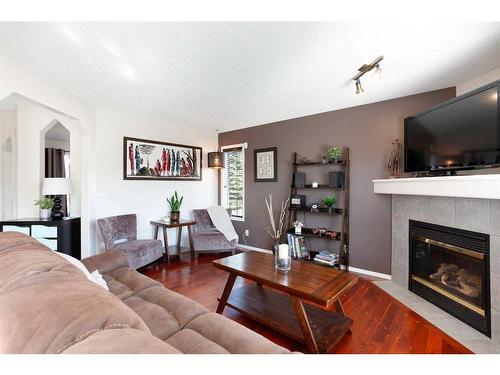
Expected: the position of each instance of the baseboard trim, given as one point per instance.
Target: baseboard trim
(246, 247)
(370, 273)
(354, 269)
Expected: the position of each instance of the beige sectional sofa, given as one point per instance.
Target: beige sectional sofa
(47, 305)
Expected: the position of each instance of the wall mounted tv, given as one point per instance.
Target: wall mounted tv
(461, 133)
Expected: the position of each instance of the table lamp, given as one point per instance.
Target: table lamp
(56, 186)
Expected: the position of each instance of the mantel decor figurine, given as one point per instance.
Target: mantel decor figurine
(393, 168)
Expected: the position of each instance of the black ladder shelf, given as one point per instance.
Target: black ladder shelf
(344, 210)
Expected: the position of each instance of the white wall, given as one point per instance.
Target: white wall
(148, 199)
(8, 144)
(21, 81)
(482, 80)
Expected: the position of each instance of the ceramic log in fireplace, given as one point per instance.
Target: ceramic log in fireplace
(449, 267)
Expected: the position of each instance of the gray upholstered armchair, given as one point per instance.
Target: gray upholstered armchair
(206, 238)
(120, 233)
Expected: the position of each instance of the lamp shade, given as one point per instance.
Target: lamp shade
(56, 186)
(216, 159)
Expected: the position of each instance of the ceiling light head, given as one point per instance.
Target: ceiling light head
(377, 73)
(359, 88)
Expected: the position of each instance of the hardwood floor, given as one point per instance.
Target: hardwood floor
(381, 323)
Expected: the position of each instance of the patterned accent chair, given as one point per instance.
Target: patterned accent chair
(120, 233)
(206, 238)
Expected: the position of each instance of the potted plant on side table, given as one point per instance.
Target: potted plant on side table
(45, 205)
(175, 206)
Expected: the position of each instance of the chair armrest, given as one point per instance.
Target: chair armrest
(106, 262)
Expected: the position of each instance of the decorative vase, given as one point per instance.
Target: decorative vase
(45, 213)
(174, 216)
(330, 209)
(283, 258)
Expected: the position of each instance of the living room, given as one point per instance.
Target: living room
(209, 185)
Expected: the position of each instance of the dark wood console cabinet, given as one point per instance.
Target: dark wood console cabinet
(59, 235)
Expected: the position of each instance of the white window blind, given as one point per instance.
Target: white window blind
(233, 181)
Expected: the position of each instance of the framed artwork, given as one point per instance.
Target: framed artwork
(152, 160)
(266, 164)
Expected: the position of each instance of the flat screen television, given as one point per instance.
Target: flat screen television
(461, 133)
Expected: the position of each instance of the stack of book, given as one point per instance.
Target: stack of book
(297, 246)
(327, 258)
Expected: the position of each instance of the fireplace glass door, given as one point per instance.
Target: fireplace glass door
(454, 271)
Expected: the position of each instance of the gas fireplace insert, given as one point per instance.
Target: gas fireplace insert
(449, 267)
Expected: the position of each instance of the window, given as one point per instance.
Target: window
(233, 180)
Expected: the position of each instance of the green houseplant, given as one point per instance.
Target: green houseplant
(46, 204)
(335, 154)
(175, 206)
(329, 202)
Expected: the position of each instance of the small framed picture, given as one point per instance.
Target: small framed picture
(266, 164)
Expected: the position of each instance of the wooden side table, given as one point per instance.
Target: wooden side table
(165, 225)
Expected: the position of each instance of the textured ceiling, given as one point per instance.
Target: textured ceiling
(232, 75)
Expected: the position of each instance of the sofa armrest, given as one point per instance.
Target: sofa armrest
(106, 262)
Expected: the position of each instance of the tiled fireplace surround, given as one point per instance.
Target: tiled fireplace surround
(480, 215)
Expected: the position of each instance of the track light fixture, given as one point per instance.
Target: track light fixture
(365, 68)
(359, 88)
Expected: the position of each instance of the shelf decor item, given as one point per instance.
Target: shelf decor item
(152, 160)
(45, 205)
(329, 202)
(283, 258)
(298, 227)
(266, 164)
(335, 154)
(56, 186)
(175, 206)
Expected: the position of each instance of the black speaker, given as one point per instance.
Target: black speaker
(299, 179)
(336, 179)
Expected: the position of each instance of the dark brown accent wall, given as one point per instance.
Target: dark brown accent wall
(368, 130)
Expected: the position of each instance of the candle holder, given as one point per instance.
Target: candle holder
(283, 258)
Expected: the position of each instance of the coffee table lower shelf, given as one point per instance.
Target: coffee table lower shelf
(275, 310)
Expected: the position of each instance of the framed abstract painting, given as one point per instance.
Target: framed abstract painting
(152, 160)
(266, 164)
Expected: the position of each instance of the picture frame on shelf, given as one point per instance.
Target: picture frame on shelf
(266, 164)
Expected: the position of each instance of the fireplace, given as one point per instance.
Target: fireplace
(449, 267)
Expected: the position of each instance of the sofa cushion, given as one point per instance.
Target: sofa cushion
(121, 341)
(125, 282)
(106, 262)
(231, 336)
(47, 305)
(164, 311)
(188, 341)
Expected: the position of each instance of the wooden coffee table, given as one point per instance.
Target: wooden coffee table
(276, 299)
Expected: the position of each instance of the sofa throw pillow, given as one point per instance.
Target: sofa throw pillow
(99, 280)
(95, 276)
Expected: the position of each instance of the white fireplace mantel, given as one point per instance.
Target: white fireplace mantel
(486, 186)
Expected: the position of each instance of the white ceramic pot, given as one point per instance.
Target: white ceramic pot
(45, 213)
